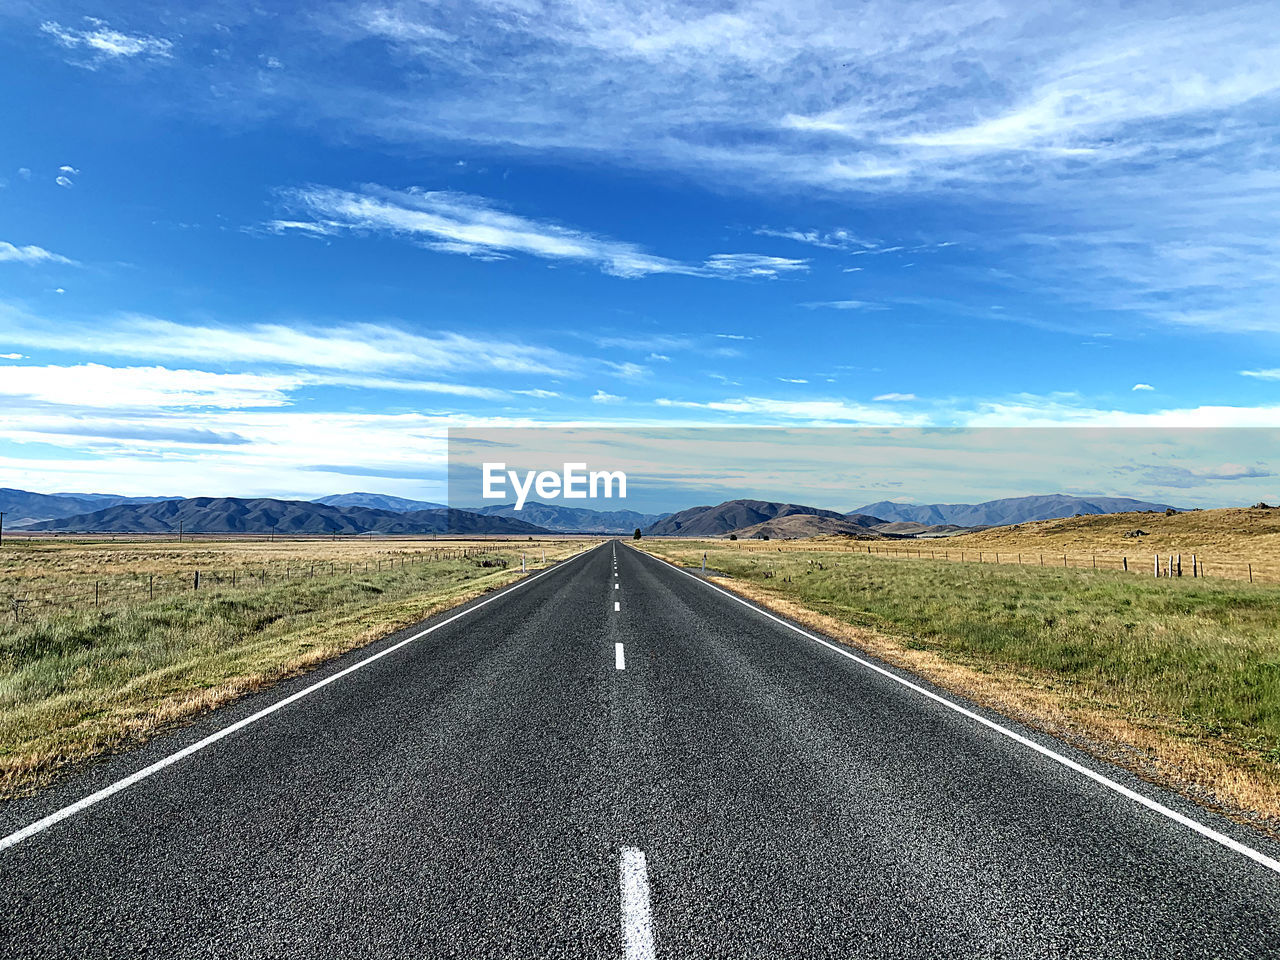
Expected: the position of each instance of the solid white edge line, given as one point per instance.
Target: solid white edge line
(619, 659)
(1153, 805)
(637, 925)
(84, 803)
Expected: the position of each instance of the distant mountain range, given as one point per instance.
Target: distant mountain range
(573, 519)
(379, 501)
(355, 513)
(263, 515)
(998, 513)
(23, 506)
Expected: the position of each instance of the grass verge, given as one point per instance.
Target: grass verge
(1177, 680)
(91, 682)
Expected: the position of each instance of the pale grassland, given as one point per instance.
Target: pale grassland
(89, 681)
(1179, 679)
(47, 561)
(1227, 540)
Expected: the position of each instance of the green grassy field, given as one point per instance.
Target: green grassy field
(91, 681)
(1197, 658)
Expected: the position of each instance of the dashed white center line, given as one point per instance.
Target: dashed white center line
(616, 606)
(637, 927)
(615, 586)
(619, 659)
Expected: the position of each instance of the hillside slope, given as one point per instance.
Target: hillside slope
(564, 519)
(264, 515)
(1236, 534)
(378, 501)
(731, 515)
(23, 506)
(1009, 510)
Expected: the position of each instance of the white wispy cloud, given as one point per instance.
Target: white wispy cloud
(792, 380)
(775, 410)
(750, 265)
(1069, 410)
(95, 386)
(844, 305)
(103, 387)
(894, 397)
(1125, 127)
(837, 239)
(601, 396)
(1269, 374)
(30, 254)
(460, 223)
(1143, 386)
(353, 348)
(100, 42)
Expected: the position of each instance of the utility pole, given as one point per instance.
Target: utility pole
(179, 531)
(1, 526)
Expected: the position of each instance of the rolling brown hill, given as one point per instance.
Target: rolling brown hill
(732, 515)
(1243, 534)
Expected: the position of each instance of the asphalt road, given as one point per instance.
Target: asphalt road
(516, 784)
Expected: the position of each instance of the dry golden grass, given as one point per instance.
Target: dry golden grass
(89, 681)
(1232, 537)
(1237, 543)
(50, 561)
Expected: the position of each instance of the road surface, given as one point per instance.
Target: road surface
(615, 759)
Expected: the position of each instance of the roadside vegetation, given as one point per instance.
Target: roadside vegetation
(92, 680)
(1177, 679)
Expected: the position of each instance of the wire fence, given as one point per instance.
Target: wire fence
(19, 602)
(1152, 564)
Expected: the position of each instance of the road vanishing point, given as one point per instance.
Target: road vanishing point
(616, 758)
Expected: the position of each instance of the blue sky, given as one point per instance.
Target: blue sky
(248, 251)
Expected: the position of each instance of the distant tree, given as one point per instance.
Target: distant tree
(1169, 511)
(636, 535)
(733, 536)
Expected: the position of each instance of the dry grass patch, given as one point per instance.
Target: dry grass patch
(1235, 536)
(93, 681)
